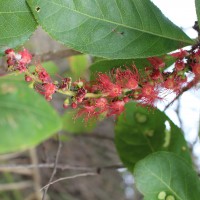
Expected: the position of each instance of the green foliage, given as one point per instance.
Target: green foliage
(109, 28)
(78, 125)
(26, 119)
(78, 66)
(17, 23)
(164, 174)
(197, 5)
(140, 132)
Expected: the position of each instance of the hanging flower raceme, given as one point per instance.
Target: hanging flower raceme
(109, 92)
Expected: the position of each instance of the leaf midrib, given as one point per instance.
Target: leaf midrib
(119, 24)
(163, 183)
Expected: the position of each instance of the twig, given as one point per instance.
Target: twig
(56, 55)
(55, 167)
(184, 89)
(70, 177)
(9, 156)
(98, 136)
(35, 172)
(22, 171)
(16, 186)
(60, 166)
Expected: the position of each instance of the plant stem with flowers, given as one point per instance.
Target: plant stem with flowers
(109, 93)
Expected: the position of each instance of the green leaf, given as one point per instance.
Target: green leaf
(165, 174)
(17, 23)
(107, 65)
(78, 125)
(139, 132)
(78, 65)
(110, 28)
(26, 119)
(197, 5)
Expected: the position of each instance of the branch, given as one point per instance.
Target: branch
(97, 136)
(55, 167)
(184, 89)
(55, 55)
(69, 177)
(16, 186)
(60, 166)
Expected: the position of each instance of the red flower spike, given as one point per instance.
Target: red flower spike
(156, 62)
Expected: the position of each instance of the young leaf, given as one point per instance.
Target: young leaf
(162, 175)
(26, 119)
(110, 28)
(17, 23)
(139, 132)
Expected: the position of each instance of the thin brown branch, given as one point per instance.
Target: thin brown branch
(70, 177)
(9, 156)
(61, 167)
(55, 167)
(184, 89)
(97, 136)
(36, 173)
(16, 186)
(55, 55)
(22, 171)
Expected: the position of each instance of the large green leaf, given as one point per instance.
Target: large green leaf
(26, 119)
(16, 23)
(139, 132)
(163, 175)
(110, 28)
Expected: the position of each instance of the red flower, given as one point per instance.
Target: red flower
(179, 65)
(104, 85)
(101, 104)
(80, 95)
(42, 74)
(26, 57)
(196, 70)
(180, 54)
(156, 62)
(49, 89)
(116, 108)
(127, 78)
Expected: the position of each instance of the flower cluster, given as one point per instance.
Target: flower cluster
(108, 94)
